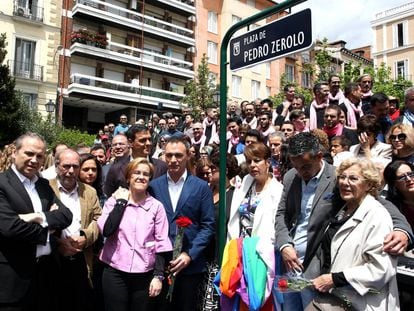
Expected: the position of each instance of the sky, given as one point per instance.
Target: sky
(347, 20)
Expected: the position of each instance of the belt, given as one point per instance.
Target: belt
(41, 258)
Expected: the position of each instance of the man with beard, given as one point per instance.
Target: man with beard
(265, 127)
(336, 97)
(335, 128)
(366, 83)
(352, 105)
(250, 116)
(318, 105)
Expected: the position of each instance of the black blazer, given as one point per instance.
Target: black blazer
(18, 239)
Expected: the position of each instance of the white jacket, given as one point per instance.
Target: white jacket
(264, 217)
(356, 250)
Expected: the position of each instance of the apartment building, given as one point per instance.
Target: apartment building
(124, 57)
(32, 29)
(214, 18)
(393, 42)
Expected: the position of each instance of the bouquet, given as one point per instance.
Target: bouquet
(182, 222)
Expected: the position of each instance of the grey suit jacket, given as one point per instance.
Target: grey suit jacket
(289, 211)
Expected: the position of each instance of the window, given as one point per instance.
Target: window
(255, 89)
(400, 34)
(290, 73)
(30, 100)
(306, 79)
(235, 19)
(212, 52)
(213, 78)
(305, 57)
(267, 70)
(251, 3)
(24, 58)
(401, 69)
(268, 91)
(236, 86)
(212, 22)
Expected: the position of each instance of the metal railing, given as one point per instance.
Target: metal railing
(148, 55)
(25, 70)
(137, 17)
(124, 87)
(32, 12)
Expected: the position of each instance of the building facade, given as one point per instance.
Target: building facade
(32, 30)
(393, 42)
(124, 57)
(214, 18)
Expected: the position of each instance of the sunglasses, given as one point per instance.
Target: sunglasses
(406, 177)
(401, 136)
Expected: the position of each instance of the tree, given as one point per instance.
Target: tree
(323, 60)
(10, 102)
(279, 98)
(199, 91)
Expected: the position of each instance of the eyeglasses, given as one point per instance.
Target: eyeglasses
(353, 179)
(68, 166)
(401, 136)
(406, 177)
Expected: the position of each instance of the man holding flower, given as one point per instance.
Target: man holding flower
(184, 195)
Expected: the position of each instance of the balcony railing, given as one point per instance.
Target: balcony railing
(111, 85)
(136, 17)
(25, 70)
(32, 12)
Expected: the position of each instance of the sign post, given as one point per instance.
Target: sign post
(284, 5)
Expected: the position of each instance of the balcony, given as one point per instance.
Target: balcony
(120, 91)
(31, 13)
(184, 7)
(25, 70)
(113, 14)
(127, 55)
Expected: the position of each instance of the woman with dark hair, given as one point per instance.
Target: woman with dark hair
(91, 174)
(203, 169)
(369, 147)
(399, 176)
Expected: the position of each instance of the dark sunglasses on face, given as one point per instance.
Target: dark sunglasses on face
(401, 136)
(406, 177)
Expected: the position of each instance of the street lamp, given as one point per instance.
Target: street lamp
(50, 106)
(216, 97)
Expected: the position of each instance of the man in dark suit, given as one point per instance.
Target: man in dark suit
(29, 212)
(308, 202)
(139, 137)
(185, 195)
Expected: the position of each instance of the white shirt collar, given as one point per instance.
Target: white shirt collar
(23, 178)
(182, 178)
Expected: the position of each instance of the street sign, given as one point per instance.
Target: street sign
(292, 33)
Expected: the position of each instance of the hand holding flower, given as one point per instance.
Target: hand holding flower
(178, 264)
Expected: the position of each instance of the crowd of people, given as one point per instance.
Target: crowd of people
(329, 185)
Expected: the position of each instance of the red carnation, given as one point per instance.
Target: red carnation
(282, 284)
(183, 221)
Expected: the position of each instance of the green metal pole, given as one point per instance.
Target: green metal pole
(223, 109)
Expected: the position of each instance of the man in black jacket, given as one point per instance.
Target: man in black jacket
(29, 213)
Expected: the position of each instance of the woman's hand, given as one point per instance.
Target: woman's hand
(121, 193)
(155, 287)
(323, 283)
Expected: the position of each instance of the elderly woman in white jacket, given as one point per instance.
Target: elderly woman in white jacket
(255, 201)
(355, 265)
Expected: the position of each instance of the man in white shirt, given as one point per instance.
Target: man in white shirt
(29, 213)
(76, 241)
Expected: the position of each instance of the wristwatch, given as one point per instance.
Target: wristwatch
(159, 277)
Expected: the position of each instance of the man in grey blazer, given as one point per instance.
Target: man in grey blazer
(308, 202)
